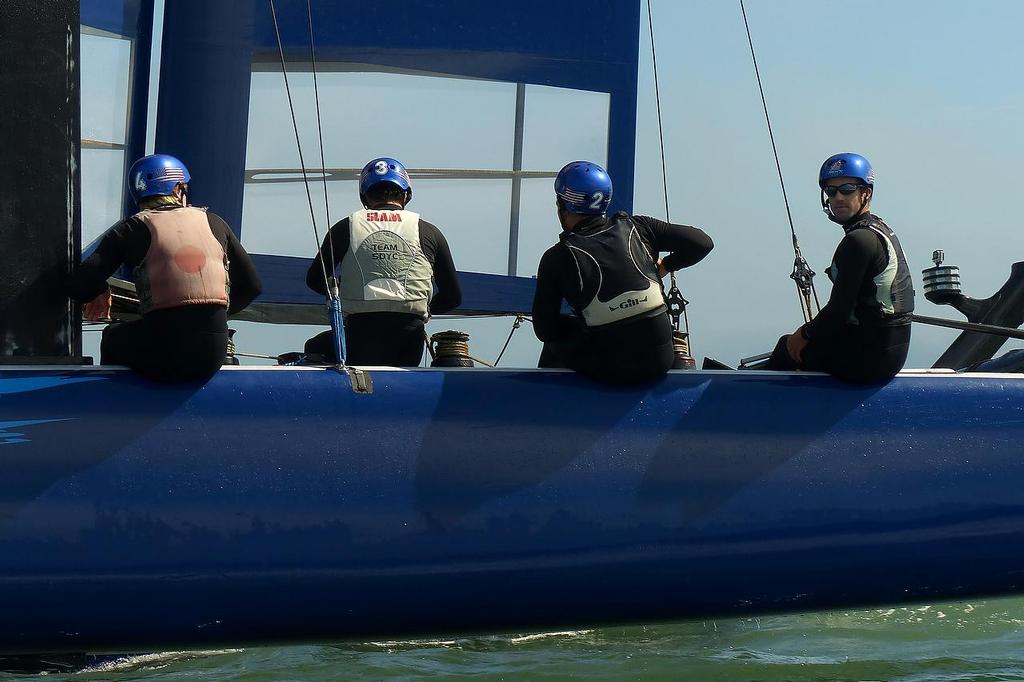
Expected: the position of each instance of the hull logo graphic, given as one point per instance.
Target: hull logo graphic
(11, 437)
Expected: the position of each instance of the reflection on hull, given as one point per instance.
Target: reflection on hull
(275, 505)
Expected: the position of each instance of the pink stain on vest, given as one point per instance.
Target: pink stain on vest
(190, 259)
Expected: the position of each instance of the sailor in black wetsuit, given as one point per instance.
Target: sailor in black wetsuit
(862, 334)
(186, 260)
(609, 272)
(389, 261)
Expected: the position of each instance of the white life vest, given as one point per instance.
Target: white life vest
(385, 269)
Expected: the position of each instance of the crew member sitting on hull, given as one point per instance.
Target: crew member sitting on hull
(389, 260)
(609, 272)
(862, 334)
(185, 260)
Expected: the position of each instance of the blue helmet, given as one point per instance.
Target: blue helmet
(385, 169)
(584, 187)
(846, 165)
(156, 175)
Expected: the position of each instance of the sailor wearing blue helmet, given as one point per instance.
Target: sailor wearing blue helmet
(862, 334)
(186, 260)
(387, 261)
(609, 271)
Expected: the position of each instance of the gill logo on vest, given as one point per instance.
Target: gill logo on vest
(628, 303)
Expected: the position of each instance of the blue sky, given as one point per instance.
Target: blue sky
(927, 90)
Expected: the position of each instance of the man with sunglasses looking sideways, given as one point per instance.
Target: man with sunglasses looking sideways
(862, 334)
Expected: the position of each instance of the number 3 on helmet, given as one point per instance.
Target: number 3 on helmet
(385, 169)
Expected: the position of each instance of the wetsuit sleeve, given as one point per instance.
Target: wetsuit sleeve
(853, 258)
(547, 298)
(339, 234)
(449, 291)
(126, 242)
(686, 245)
(245, 280)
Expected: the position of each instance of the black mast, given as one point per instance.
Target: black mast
(40, 203)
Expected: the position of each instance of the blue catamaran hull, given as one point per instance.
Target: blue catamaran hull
(275, 504)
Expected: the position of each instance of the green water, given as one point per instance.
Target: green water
(961, 641)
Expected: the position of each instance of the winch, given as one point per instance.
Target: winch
(449, 348)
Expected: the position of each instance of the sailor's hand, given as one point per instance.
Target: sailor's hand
(662, 270)
(98, 308)
(795, 344)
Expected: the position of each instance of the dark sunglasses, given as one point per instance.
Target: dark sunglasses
(846, 189)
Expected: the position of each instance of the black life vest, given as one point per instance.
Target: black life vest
(886, 297)
(618, 275)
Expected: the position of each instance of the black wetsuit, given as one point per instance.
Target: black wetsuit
(862, 334)
(385, 338)
(635, 349)
(186, 343)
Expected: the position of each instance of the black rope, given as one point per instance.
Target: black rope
(515, 325)
(298, 143)
(320, 131)
(802, 274)
(676, 302)
(657, 99)
(768, 120)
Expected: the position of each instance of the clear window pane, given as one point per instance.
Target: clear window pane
(106, 70)
(564, 125)
(425, 122)
(275, 215)
(538, 224)
(102, 187)
(473, 215)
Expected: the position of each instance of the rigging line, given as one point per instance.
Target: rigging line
(675, 297)
(802, 274)
(771, 135)
(319, 129)
(515, 325)
(260, 356)
(803, 303)
(480, 316)
(657, 98)
(298, 143)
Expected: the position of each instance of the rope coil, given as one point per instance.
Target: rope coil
(450, 348)
(681, 348)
